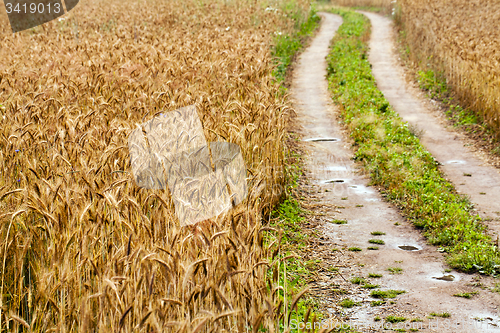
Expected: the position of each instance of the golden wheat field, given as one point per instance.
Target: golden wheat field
(82, 247)
(460, 38)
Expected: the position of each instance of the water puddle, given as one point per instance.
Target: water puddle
(455, 162)
(322, 140)
(408, 248)
(488, 321)
(447, 277)
(361, 190)
(333, 181)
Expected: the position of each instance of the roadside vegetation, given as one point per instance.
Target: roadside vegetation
(294, 273)
(396, 160)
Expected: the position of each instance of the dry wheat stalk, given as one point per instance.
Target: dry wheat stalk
(82, 247)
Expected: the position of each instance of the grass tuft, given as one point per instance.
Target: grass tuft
(370, 286)
(395, 270)
(338, 221)
(386, 293)
(348, 303)
(395, 319)
(466, 295)
(442, 315)
(374, 275)
(358, 280)
(376, 303)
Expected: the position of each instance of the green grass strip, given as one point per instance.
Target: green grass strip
(396, 160)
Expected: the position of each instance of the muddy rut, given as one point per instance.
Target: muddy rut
(336, 189)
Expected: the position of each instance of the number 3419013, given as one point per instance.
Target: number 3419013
(34, 8)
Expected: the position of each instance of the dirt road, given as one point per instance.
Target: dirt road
(337, 190)
(467, 171)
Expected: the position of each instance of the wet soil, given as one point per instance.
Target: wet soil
(334, 188)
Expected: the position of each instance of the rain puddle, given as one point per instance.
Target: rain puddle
(332, 181)
(322, 140)
(487, 321)
(335, 181)
(455, 162)
(447, 277)
(408, 247)
(361, 190)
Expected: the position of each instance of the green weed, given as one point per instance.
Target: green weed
(394, 319)
(432, 83)
(374, 275)
(348, 303)
(377, 303)
(358, 280)
(466, 295)
(395, 270)
(370, 286)
(442, 315)
(338, 291)
(386, 293)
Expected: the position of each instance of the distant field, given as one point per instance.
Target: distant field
(460, 38)
(82, 248)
